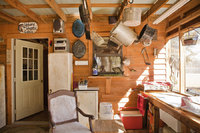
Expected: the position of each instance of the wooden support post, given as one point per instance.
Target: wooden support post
(108, 85)
(156, 117)
(90, 56)
(184, 128)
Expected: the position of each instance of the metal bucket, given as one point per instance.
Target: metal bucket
(132, 16)
(146, 35)
(115, 40)
(123, 34)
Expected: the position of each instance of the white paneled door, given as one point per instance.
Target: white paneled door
(29, 78)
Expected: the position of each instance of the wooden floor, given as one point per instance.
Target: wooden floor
(137, 131)
(41, 116)
(39, 123)
(112, 126)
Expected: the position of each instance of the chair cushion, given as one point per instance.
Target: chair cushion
(63, 108)
(73, 127)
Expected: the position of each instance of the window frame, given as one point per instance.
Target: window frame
(182, 73)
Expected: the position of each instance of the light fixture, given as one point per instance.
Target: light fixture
(171, 10)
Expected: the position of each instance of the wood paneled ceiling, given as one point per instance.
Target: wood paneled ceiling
(14, 11)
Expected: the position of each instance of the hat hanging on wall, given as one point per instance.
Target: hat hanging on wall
(146, 35)
(123, 34)
(78, 28)
(132, 16)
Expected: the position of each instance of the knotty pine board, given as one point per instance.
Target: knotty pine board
(119, 86)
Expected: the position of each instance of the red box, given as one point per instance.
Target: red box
(131, 119)
(142, 104)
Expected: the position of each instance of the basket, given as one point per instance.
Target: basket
(132, 16)
(190, 40)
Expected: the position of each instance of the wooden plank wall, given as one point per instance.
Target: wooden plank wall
(120, 93)
(3, 50)
(118, 87)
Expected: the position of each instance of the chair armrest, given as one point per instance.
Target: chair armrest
(84, 114)
(91, 117)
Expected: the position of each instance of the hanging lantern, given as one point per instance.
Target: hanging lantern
(146, 35)
(132, 16)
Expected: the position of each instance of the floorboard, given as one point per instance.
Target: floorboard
(39, 123)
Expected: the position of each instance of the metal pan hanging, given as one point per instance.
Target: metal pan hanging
(78, 28)
(78, 49)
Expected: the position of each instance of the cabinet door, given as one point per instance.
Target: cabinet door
(88, 102)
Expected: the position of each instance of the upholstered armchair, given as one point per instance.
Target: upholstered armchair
(63, 111)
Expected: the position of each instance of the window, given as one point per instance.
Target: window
(190, 66)
(173, 62)
(30, 64)
(191, 63)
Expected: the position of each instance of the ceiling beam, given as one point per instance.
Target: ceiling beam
(8, 18)
(18, 5)
(123, 5)
(184, 20)
(57, 9)
(153, 9)
(70, 17)
(77, 5)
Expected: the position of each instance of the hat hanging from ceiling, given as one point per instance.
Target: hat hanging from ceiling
(132, 16)
(123, 34)
(78, 28)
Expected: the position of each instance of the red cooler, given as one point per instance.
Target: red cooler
(133, 119)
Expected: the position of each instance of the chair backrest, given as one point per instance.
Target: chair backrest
(62, 106)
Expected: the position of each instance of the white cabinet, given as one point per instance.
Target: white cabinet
(88, 102)
(60, 71)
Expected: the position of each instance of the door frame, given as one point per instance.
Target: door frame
(10, 95)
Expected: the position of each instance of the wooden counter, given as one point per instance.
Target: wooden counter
(189, 120)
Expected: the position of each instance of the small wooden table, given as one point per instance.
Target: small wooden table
(106, 126)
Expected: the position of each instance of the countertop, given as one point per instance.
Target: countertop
(188, 119)
(88, 89)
